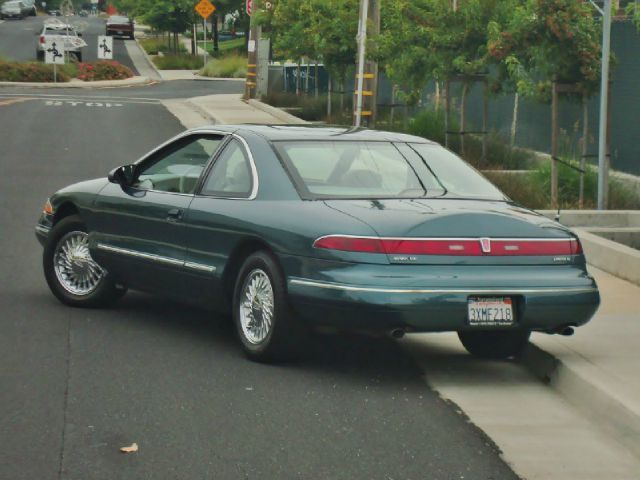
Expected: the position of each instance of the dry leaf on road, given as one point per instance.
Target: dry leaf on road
(130, 449)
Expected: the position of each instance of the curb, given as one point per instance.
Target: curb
(277, 113)
(204, 112)
(587, 395)
(147, 58)
(128, 82)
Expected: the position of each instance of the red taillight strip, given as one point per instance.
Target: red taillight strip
(451, 246)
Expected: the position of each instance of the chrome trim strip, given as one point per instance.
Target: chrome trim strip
(451, 239)
(492, 291)
(43, 229)
(200, 266)
(145, 256)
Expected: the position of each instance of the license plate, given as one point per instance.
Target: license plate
(490, 311)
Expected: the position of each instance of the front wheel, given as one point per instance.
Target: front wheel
(72, 275)
(264, 321)
(498, 344)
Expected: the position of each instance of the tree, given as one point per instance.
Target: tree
(546, 41)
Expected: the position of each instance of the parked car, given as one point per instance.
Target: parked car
(54, 13)
(84, 13)
(30, 6)
(14, 9)
(290, 227)
(121, 26)
(67, 34)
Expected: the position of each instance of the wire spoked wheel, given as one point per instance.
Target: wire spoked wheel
(256, 309)
(76, 271)
(73, 276)
(264, 321)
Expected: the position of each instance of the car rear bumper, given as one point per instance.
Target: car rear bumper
(430, 298)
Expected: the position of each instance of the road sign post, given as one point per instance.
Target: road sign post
(54, 54)
(204, 8)
(105, 47)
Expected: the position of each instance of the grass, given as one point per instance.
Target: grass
(235, 46)
(232, 66)
(153, 46)
(178, 62)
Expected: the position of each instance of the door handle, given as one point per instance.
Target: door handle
(174, 215)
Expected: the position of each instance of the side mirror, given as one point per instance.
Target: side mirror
(123, 176)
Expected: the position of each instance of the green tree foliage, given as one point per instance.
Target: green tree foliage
(422, 40)
(546, 40)
(317, 29)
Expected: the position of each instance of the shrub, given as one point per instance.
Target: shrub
(30, 72)
(103, 70)
(178, 62)
(232, 66)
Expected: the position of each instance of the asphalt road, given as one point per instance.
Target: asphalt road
(19, 38)
(76, 385)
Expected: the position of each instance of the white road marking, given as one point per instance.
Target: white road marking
(88, 97)
(75, 103)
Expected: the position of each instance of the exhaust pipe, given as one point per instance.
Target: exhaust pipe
(397, 333)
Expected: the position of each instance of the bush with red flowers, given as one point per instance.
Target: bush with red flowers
(103, 70)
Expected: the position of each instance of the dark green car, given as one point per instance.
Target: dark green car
(293, 227)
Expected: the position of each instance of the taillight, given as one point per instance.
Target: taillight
(41, 39)
(451, 246)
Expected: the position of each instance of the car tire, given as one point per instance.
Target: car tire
(40, 55)
(264, 321)
(70, 271)
(78, 57)
(497, 344)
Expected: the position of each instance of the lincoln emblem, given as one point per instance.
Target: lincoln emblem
(485, 243)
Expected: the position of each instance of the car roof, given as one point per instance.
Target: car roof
(315, 132)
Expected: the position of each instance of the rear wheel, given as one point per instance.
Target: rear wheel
(264, 321)
(496, 344)
(72, 275)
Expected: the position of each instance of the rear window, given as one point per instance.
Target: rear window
(369, 170)
(345, 169)
(455, 175)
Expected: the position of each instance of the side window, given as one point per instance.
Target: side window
(177, 167)
(231, 173)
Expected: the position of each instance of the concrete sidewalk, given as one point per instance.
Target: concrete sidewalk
(582, 421)
(598, 368)
(231, 109)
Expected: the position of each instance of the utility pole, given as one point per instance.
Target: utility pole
(367, 71)
(252, 53)
(603, 171)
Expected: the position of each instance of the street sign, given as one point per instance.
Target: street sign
(105, 47)
(205, 8)
(249, 6)
(54, 50)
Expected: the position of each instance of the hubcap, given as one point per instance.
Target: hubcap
(76, 271)
(256, 306)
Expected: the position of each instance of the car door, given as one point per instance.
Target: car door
(218, 217)
(139, 231)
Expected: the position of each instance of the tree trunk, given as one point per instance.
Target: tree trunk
(554, 146)
(447, 111)
(436, 98)
(214, 29)
(514, 119)
(342, 96)
(585, 144)
(463, 116)
(315, 83)
(298, 78)
(306, 80)
(329, 100)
